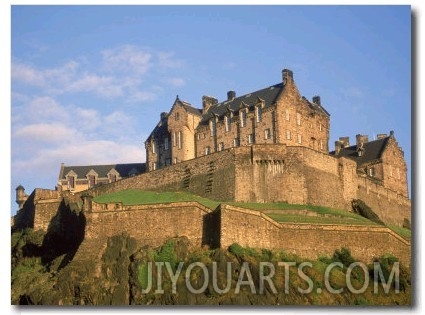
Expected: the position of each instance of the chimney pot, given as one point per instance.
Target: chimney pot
(287, 76)
(231, 95)
(361, 139)
(345, 142)
(381, 136)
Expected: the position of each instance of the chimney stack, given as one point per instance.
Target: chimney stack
(338, 147)
(361, 139)
(164, 116)
(381, 136)
(231, 95)
(287, 76)
(207, 102)
(345, 142)
(316, 99)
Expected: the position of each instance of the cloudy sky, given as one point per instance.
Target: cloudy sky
(88, 82)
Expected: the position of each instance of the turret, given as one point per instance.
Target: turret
(21, 196)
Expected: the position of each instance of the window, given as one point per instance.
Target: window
(174, 139)
(259, 113)
(372, 172)
(298, 119)
(287, 114)
(177, 116)
(175, 160)
(320, 127)
(243, 118)
(288, 134)
(299, 138)
(213, 127)
(71, 182)
(207, 150)
(267, 134)
(199, 136)
(155, 165)
(236, 142)
(228, 121)
(221, 146)
(251, 138)
(112, 178)
(92, 180)
(321, 144)
(179, 140)
(153, 147)
(166, 143)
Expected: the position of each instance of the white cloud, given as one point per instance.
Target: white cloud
(141, 96)
(127, 58)
(51, 133)
(27, 74)
(101, 85)
(177, 82)
(43, 109)
(167, 60)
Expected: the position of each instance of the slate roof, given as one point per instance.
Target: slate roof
(103, 170)
(372, 151)
(160, 131)
(269, 95)
(190, 108)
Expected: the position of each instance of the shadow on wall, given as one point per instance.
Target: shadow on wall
(211, 229)
(25, 216)
(64, 235)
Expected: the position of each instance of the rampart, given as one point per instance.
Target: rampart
(271, 173)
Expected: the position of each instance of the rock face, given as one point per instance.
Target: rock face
(128, 273)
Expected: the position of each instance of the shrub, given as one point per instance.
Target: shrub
(361, 208)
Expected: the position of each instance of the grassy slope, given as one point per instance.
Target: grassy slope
(325, 215)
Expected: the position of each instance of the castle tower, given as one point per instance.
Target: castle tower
(21, 196)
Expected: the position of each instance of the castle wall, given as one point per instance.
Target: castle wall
(148, 224)
(254, 229)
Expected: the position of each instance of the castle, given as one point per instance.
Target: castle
(270, 145)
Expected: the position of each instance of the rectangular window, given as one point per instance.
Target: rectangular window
(166, 143)
(175, 160)
(207, 150)
(267, 134)
(236, 142)
(155, 165)
(221, 146)
(320, 127)
(153, 147)
(287, 114)
(213, 127)
(92, 180)
(371, 172)
(259, 113)
(174, 139)
(298, 119)
(321, 144)
(228, 121)
(288, 134)
(243, 118)
(179, 140)
(251, 138)
(71, 182)
(299, 139)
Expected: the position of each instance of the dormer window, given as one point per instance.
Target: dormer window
(71, 182)
(243, 118)
(92, 180)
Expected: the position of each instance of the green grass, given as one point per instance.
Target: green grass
(137, 197)
(403, 232)
(324, 215)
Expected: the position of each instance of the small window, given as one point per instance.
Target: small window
(299, 139)
(267, 134)
(298, 119)
(155, 166)
(259, 113)
(174, 139)
(179, 140)
(166, 143)
(153, 147)
(321, 144)
(288, 134)
(287, 114)
(207, 150)
(221, 146)
(243, 118)
(213, 127)
(371, 172)
(320, 127)
(175, 160)
(251, 138)
(228, 121)
(177, 116)
(236, 142)
(71, 182)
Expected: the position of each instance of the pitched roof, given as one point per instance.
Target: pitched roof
(190, 108)
(268, 95)
(160, 131)
(124, 170)
(372, 151)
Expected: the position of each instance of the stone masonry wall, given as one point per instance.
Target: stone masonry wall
(254, 229)
(148, 224)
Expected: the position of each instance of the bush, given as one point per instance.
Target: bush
(166, 254)
(361, 208)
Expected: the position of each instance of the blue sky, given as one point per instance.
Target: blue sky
(89, 82)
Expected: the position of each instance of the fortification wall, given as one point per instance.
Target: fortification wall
(254, 229)
(148, 224)
(212, 176)
(390, 206)
(46, 203)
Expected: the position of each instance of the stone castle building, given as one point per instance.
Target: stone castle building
(277, 114)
